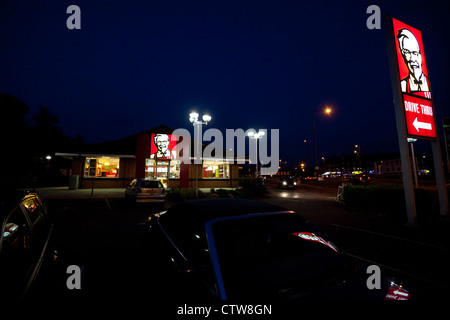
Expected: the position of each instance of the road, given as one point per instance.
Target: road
(419, 256)
(104, 238)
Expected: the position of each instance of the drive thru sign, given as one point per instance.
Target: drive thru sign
(414, 106)
(414, 82)
(419, 117)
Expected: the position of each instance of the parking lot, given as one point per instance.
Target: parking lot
(102, 233)
(103, 238)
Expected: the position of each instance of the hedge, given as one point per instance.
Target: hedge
(390, 199)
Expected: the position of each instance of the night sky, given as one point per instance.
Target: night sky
(250, 64)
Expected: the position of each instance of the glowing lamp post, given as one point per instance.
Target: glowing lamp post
(256, 136)
(327, 111)
(193, 118)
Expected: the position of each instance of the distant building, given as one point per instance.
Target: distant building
(386, 163)
(150, 155)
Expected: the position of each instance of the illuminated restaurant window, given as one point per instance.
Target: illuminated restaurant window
(157, 169)
(104, 167)
(216, 170)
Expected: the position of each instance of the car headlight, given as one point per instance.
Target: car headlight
(284, 183)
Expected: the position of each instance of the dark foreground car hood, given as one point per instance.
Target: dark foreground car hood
(352, 286)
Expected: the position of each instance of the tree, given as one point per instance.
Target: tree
(25, 146)
(14, 134)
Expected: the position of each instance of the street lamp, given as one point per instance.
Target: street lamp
(256, 136)
(327, 111)
(193, 118)
(47, 165)
(358, 155)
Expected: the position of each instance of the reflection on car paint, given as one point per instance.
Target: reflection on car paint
(312, 237)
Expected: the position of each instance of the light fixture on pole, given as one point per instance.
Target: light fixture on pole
(256, 135)
(193, 118)
(327, 111)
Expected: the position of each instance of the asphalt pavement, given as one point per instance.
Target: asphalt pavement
(416, 254)
(103, 234)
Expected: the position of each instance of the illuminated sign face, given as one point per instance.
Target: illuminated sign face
(414, 82)
(162, 146)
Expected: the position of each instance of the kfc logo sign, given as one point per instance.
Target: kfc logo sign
(162, 147)
(414, 81)
(411, 60)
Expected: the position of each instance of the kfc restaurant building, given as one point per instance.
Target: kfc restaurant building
(150, 155)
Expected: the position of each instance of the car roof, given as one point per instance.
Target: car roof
(204, 210)
(11, 198)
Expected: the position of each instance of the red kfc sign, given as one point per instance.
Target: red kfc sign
(419, 117)
(414, 81)
(162, 146)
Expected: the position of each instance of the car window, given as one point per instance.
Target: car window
(33, 209)
(42, 205)
(16, 256)
(15, 229)
(40, 225)
(187, 234)
(151, 184)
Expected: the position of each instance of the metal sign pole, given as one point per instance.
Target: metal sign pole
(440, 179)
(401, 125)
(412, 120)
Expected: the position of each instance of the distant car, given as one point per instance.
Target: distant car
(143, 190)
(359, 179)
(25, 242)
(287, 183)
(238, 249)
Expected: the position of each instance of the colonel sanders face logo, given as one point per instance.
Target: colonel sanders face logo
(162, 141)
(411, 53)
(416, 81)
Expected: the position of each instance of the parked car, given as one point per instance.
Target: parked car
(287, 183)
(220, 249)
(359, 179)
(144, 190)
(25, 242)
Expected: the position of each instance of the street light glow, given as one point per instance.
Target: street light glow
(193, 117)
(206, 118)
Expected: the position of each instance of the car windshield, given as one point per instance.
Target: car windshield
(274, 256)
(150, 184)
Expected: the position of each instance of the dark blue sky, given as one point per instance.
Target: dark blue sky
(251, 64)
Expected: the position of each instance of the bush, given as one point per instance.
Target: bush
(180, 194)
(252, 188)
(390, 200)
(374, 197)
